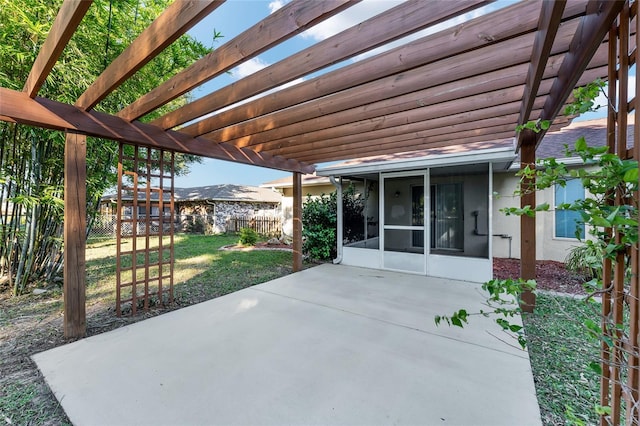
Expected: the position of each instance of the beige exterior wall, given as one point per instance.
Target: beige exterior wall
(547, 246)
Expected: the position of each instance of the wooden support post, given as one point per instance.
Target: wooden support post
(528, 224)
(75, 226)
(297, 221)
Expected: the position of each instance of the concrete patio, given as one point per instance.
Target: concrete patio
(328, 345)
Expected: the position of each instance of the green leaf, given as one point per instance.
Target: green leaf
(600, 221)
(631, 175)
(456, 321)
(581, 144)
(595, 367)
(544, 207)
(515, 327)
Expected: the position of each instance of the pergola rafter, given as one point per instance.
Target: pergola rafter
(163, 31)
(550, 19)
(592, 29)
(64, 26)
(314, 146)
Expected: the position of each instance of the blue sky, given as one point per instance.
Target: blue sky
(235, 16)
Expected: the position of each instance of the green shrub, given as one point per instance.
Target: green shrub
(319, 227)
(585, 260)
(248, 237)
(319, 222)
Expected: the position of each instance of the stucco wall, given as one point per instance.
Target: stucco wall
(547, 246)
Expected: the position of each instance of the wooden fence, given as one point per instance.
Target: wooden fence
(264, 225)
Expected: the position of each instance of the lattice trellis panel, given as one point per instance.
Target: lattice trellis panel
(620, 382)
(145, 228)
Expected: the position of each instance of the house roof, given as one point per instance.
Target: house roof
(223, 192)
(594, 132)
(474, 76)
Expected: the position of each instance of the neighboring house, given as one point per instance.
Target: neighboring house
(216, 203)
(468, 185)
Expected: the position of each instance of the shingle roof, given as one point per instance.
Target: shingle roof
(594, 132)
(222, 192)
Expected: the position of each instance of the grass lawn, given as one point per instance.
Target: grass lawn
(33, 323)
(560, 352)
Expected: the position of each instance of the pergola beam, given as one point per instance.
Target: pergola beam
(590, 33)
(164, 30)
(281, 25)
(55, 115)
(69, 17)
(386, 27)
(446, 46)
(550, 19)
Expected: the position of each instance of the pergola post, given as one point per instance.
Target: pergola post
(297, 221)
(75, 225)
(528, 223)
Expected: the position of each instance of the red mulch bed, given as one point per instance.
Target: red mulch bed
(550, 275)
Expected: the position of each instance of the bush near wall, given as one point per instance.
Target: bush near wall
(319, 222)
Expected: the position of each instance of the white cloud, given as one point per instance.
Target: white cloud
(249, 67)
(348, 18)
(275, 5)
(427, 31)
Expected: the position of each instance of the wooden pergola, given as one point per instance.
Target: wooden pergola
(474, 81)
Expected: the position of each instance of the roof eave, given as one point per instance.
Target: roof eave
(491, 155)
